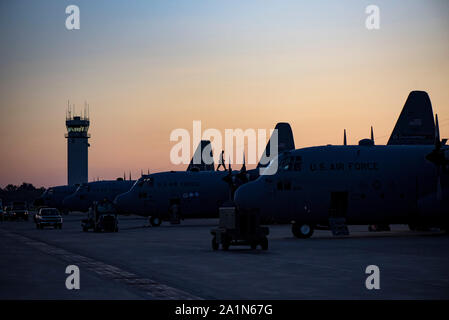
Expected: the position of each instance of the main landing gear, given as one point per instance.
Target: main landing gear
(155, 221)
(302, 230)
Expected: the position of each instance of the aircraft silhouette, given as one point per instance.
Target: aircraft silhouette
(179, 195)
(330, 187)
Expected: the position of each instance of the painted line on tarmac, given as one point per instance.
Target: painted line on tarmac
(153, 289)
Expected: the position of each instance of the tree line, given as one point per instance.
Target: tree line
(25, 192)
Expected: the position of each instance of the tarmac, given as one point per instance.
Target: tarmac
(177, 262)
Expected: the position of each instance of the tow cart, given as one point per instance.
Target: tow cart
(102, 216)
(238, 228)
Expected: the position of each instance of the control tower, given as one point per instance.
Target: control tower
(77, 146)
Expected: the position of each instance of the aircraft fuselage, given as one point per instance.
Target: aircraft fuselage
(364, 184)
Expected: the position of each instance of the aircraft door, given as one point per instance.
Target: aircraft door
(338, 204)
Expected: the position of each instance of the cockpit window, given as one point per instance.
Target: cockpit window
(291, 163)
(149, 181)
(83, 188)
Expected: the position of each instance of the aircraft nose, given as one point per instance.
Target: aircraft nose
(244, 197)
(120, 202)
(67, 202)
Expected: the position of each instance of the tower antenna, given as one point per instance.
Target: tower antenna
(344, 138)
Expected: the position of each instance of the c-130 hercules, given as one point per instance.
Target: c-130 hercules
(193, 193)
(330, 187)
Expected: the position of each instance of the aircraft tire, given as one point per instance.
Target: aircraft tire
(302, 231)
(155, 221)
(264, 244)
(215, 244)
(225, 244)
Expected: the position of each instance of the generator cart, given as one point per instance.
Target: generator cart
(238, 228)
(102, 216)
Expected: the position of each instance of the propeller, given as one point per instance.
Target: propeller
(236, 180)
(242, 175)
(438, 156)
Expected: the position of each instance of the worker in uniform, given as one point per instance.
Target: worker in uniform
(221, 163)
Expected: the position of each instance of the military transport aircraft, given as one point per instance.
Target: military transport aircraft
(54, 196)
(330, 187)
(178, 195)
(85, 195)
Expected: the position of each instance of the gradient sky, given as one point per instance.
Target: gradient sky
(148, 67)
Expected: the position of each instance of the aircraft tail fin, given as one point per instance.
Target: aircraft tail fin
(285, 143)
(415, 125)
(203, 150)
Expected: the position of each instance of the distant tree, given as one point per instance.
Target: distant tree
(11, 188)
(26, 187)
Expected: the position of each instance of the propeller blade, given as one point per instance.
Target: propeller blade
(243, 169)
(437, 133)
(439, 187)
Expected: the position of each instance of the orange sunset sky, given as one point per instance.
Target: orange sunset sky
(148, 67)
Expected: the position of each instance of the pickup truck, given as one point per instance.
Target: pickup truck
(48, 217)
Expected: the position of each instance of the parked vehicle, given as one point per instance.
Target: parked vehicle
(238, 228)
(48, 217)
(8, 214)
(102, 216)
(20, 210)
